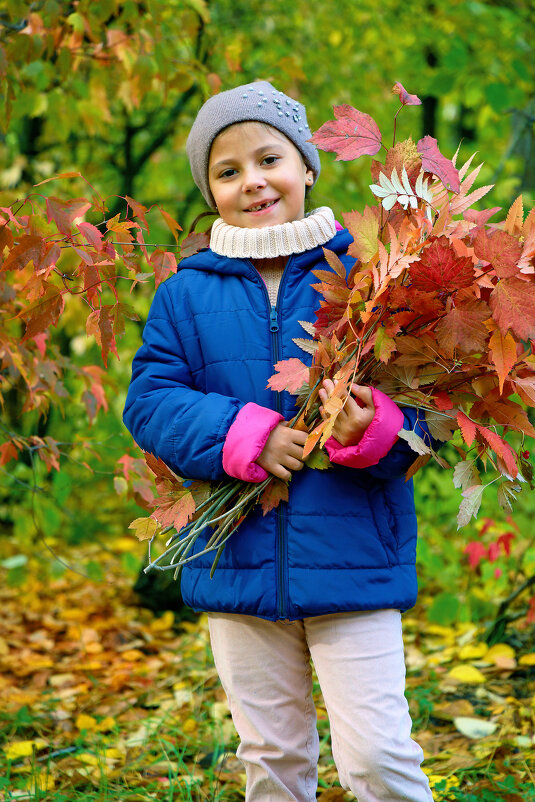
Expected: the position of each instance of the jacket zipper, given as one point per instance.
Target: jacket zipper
(281, 556)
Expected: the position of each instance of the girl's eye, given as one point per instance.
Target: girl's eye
(270, 159)
(228, 173)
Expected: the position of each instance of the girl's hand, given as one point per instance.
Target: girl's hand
(355, 416)
(283, 451)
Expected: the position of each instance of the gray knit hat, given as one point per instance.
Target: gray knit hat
(260, 102)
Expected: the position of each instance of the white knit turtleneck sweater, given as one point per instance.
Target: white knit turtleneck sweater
(264, 245)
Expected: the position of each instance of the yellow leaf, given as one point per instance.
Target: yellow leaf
(84, 722)
(468, 674)
(107, 723)
(132, 655)
(502, 655)
(144, 528)
(473, 651)
(23, 748)
(114, 754)
(527, 659)
(190, 725)
(87, 757)
(42, 782)
(164, 622)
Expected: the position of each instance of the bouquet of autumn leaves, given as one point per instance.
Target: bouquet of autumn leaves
(438, 312)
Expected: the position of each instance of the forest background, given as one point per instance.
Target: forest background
(103, 92)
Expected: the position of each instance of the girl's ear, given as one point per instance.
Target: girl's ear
(309, 178)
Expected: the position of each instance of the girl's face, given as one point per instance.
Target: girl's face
(257, 176)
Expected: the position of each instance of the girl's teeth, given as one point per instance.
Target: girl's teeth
(261, 206)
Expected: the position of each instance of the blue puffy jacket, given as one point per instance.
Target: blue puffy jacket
(347, 538)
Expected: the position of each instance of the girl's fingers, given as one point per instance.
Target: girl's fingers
(364, 394)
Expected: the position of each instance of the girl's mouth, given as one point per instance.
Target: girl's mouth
(261, 207)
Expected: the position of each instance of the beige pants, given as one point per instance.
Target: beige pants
(265, 670)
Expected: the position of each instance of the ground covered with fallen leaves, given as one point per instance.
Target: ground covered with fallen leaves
(101, 699)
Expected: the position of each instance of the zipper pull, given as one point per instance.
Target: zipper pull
(273, 322)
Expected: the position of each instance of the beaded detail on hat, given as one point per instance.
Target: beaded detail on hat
(299, 236)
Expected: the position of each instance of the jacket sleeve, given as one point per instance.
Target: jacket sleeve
(380, 451)
(164, 413)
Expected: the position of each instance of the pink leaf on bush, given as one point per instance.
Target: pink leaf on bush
(434, 162)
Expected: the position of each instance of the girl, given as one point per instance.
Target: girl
(326, 575)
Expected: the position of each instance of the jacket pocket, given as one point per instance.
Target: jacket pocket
(385, 522)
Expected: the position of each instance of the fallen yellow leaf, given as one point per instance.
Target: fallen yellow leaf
(473, 651)
(164, 622)
(23, 748)
(499, 650)
(84, 722)
(527, 659)
(469, 674)
(189, 726)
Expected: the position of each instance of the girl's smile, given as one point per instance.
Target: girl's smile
(257, 176)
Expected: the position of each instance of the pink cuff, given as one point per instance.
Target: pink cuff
(376, 441)
(245, 440)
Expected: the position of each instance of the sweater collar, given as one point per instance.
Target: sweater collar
(285, 239)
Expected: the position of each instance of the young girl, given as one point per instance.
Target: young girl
(326, 575)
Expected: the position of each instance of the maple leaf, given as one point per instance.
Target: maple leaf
(175, 506)
(138, 210)
(406, 99)
(194, 243)
(163, 263)
(503, 354)
(476, 552)
(513, 307)
(500, 249)
(364, 228)
(291, 375)
(30, 248)
(351, 135)
(92, 235)
(43, 313)
(107, 323)
(434, 162)
(171, 223)
(65, 212)
(275, 492)
(440, 269)
(463, 327)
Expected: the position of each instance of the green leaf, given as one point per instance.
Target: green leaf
(319, 460)
(444, 609)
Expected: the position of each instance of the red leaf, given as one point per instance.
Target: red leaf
(291, 375)
(44, 313)
(476, 552)
(530, 617)
(92, 235)
(163, 263)
(500, 447)
(467, 427)
(462, 327)
(440, 269)
(500, 249)
(351, 135)
(275, 492)
(442, 401)
(513, 307)
(505, 541)
(64, 212)
(434, 162)
(138, 210)
(107, 323)
(480, 218)
(406, 99)
(8, 451)
(158, 467)
(194, 243)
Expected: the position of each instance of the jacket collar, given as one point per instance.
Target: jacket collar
(208, 261)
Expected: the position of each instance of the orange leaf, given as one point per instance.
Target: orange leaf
(515, 218)
(467, 427)
(275, 492)
(291, 375)
(503, 354)
(500, 447)
(171, 223)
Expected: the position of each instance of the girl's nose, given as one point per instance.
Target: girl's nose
(253, 180)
